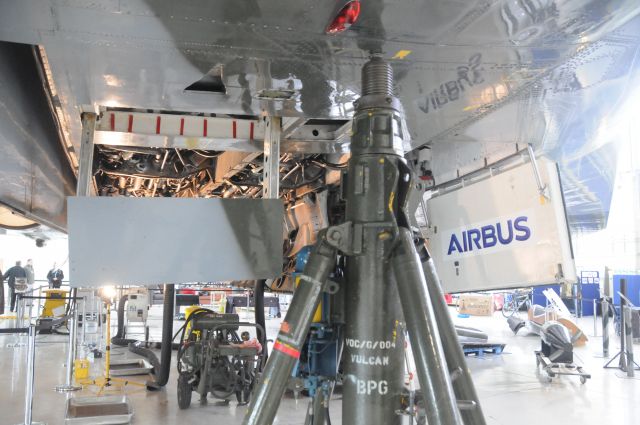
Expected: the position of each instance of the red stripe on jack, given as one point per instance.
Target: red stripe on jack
(204, 129)
(181, 126)
(234, 129)
(158, 125)
(112, 120)
(130, 126)
(251, 132)
(286, 349)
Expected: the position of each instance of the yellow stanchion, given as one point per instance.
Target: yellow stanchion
(107, 383)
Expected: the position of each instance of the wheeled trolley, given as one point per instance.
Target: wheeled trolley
(554, 369)
(212, 358)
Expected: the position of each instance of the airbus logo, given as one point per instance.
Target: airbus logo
(501, 233)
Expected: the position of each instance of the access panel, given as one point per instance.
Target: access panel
(500, 232)
(150, 241)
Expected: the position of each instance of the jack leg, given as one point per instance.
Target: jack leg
(463, 384)
(426, 344)
(286, 350)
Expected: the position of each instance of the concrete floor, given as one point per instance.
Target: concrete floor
(509, 388)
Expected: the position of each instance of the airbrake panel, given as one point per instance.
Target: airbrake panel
(149, 241)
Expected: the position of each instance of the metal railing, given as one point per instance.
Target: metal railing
(31, 330)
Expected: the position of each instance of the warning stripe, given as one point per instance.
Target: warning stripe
(286, 349)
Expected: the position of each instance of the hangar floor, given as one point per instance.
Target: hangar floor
(508, 386)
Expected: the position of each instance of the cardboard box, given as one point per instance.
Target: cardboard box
(476, 305)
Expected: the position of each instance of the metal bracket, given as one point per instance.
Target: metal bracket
(346, 237)
(331, 287)
(542, 188)
(271, 171)
(85, 162)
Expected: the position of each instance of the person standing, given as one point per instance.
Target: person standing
(16, 276)
(55, 277)
(31, 277)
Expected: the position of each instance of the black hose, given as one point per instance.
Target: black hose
(324, 162)
(72, 299)
(121, 304)
(193, 317)
(167, 333)
(118, 338)
(162, 368)
(258, 295)
(140, 348)
(73, 293)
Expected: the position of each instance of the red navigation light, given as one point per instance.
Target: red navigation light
(347, 16)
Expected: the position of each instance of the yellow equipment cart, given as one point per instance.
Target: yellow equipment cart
(55, 304)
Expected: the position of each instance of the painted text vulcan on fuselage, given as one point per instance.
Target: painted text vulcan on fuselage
(490, 235)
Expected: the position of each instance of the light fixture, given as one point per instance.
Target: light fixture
(108, 292)
(347, 16)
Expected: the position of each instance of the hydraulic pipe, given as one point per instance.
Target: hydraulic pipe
(426, 343)
(293, 332)
(536, 171)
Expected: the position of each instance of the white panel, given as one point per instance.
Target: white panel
(149, 241)
(500, 232)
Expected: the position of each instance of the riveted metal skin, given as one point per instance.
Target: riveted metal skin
(539, 70)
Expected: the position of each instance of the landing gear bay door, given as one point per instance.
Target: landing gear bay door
(503, 229)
